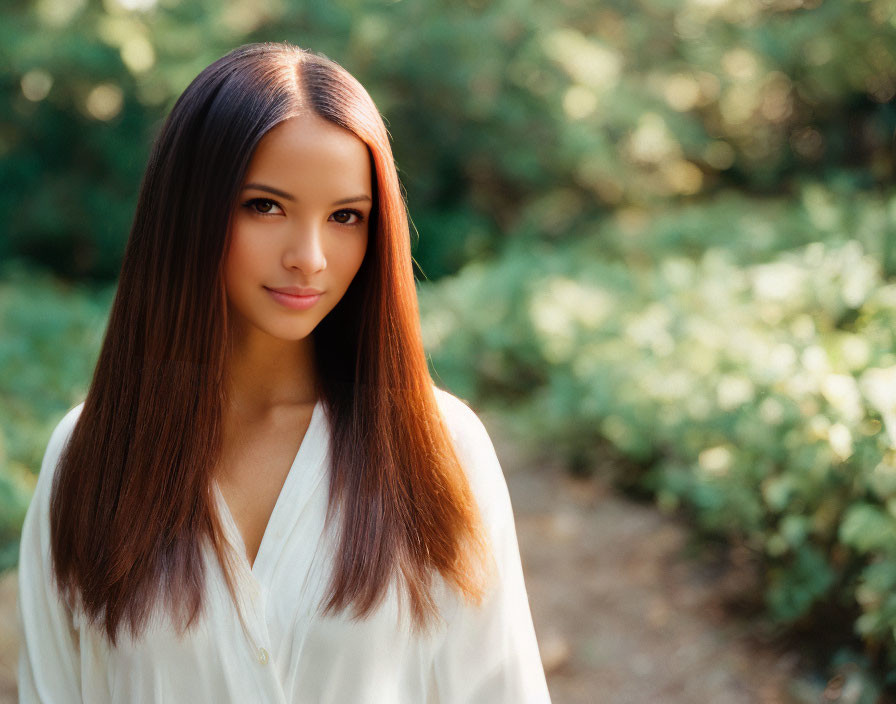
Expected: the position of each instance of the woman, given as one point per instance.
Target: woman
(263, 497)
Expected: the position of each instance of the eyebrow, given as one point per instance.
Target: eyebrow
(290, 197)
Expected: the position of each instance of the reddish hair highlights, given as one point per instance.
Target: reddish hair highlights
(131, 502)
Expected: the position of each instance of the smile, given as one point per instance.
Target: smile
(295, 302)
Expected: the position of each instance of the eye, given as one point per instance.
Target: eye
(263, 206)
(344, 217)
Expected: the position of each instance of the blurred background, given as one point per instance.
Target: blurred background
(656, 248)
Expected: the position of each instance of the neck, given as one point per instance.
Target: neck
(265, 373)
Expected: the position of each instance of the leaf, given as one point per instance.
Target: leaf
(867, 528)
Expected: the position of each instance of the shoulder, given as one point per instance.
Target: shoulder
(61, 434)
(462, 421)
(63, 429)
(34, 552)
(470, 438)
(477, 455)
(58, 440)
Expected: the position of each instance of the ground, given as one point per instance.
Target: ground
(622, 613)
(624, 617)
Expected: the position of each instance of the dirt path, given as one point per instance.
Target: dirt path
(9, 629)
(622, 617)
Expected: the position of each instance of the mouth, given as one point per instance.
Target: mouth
(307, 297)
(296, 290)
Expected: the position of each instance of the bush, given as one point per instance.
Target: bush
(519, 118)
(761, 397)
(50, 333)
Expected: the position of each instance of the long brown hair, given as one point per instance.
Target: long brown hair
(131, 502)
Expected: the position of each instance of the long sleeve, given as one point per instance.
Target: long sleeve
(49, 669)
(489, 654)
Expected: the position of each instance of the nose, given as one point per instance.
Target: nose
(304, 249)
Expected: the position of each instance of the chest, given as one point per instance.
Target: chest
(310, 657)
(255, 461)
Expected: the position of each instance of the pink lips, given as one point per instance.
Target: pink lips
(295, 297)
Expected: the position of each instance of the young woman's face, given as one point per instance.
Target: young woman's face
(300, 228)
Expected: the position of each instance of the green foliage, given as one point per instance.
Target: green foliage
(50, 334)
(669, 227)
(757, 396)
(796, 585)
(512, 119)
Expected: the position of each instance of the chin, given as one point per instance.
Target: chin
(294, 333)
(279, 330)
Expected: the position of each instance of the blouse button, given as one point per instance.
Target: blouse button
(263, 656)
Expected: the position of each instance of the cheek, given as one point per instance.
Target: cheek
(240, 267)
(345, 256)
(358, 253)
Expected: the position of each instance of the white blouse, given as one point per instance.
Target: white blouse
(277, 647)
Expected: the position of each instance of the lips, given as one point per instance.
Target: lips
(295, 290)
(295, 301)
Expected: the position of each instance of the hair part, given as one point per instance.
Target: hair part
(132, 506)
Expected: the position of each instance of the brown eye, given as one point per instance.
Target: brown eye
(262, 206)
(344, 217)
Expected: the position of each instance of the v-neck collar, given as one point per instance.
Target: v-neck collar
(305, 473)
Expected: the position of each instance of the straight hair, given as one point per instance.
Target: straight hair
(132, 502)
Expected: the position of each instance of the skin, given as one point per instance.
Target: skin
(312, 232)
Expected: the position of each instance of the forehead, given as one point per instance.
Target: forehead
(311, 155)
